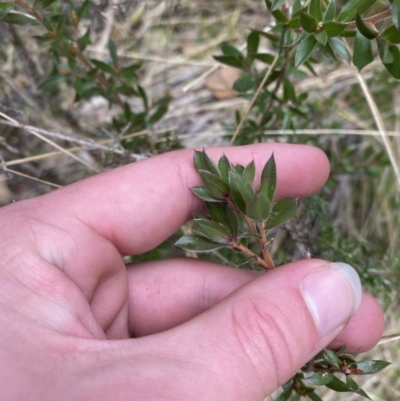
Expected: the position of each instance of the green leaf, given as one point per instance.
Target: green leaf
(394, 67)
(86, 6)
(304, 50)
(264, 57)
(244, 83)
(224, 166)
(330, 11)
(294, 23)
(259, 206)
(333, 28)
(213, 231)
(202, 193)
(396, 13)
(214, 185)
(280, 16)
(391, 33)
(230, 60)
(43, 3)
(268, 176)
(19, 19)
(229, 50)
(289, 92)
(369, 367)
(308, 22)
(362, 51)
(129, 72)
(383, 50)
(315, 9)
(238, 182)
(319, 379)
(313, 396)
(103, 66)
(202, 161)
(364, 28)
(327, 51)
(340, 49)
(5, 8)
(337, 385)
(277, 4)
(267, 35)
(331, 358)
(53, 81)
(197, 243)
(321, 37)
(250, 172)
(253, 41)
(223, 214)
(113, 52)
(282, 211)
(353, 386)
(285, 395)
(348, 33)
(84, 40)
(350, 8)
(297, 6)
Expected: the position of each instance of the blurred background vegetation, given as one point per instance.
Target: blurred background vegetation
(89, 86)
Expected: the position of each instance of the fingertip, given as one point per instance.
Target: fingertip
(364, 329)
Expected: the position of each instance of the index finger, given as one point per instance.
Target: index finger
(138, 206)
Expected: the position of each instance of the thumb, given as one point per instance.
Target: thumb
(257, 338)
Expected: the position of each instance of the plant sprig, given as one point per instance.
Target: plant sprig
(236, 211)
(239, 217)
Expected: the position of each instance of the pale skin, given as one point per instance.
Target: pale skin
(77, 324)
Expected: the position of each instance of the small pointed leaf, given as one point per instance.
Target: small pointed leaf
(202, 161)
(365, 29)
(202, 193)
(304, 50)
(250, 172)
(396, 13)
(5, 8)
(230, 60)
(392, 34)
(268, 176)
(369, 367)
(259, 206)
(331, 358)
(277, 4)
(350, 8)
(319, 379)
(43, 3)
(214, 185)
(362, 51)
(282, 211)
(213, 231)
(327, 51)
(224, 166)
(330, 11)
(340, 49)
(394, 67)
(354, 387)
(337, 385)
(197, 243)
(333, 28)
(285, 395)
(238, 183)
(222, 214)
(322, 37)
(308, 22)
(19, 19)
(253, 41)
(315, 9)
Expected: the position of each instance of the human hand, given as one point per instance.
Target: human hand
(69, 307)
